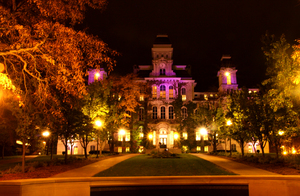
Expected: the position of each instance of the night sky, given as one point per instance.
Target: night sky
(201, 31)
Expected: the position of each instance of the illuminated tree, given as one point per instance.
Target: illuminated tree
(123, 93)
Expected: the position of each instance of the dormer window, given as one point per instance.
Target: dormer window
(162, 72)
(228, 76)
(183, 94)
(96, 76)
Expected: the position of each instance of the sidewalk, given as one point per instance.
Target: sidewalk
(94, 168)
(235, 167)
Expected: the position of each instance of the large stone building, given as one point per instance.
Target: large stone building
(169, 82)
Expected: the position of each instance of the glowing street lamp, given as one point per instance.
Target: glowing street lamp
(280, 133)
(150, 137)
(229, 123)
(176, 136)
(47, 134)
(98, 124)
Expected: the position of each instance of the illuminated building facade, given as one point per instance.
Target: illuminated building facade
(168, 83)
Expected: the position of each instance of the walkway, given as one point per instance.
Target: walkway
(235, 167)
(94, 168)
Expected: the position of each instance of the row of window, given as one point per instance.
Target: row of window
(162, 92)
(162, 113)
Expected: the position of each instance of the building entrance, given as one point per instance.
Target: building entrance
(163, 141)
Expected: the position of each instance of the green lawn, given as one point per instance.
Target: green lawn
(144, 165)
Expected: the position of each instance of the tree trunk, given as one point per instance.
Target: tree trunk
(66, 150)
(112, 145)
(100, 147)
(230, 147)
(85, 146)
(23, 156)
(262, 149)
(276, 149)
(97, 147)
(51, 148)
(3, 151)
(242, 147)
(215, 143)
(225, 146)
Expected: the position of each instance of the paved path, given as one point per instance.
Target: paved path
(235, 167)
(94, 168)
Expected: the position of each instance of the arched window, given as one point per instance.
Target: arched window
(162, 72)
(171, 92)
(183, 94)
(183, 113)
(141, 114)
(163, 91)
(163, 112)
(96, 76)
(154, 113)
(171, 112)
(228, 76)
(154, 92)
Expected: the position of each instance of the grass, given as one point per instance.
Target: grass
(144, 165)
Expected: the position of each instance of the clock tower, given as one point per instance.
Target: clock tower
(162, 52)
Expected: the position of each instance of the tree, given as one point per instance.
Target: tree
(282, 94)
(45, 58)
(120, 94)
(237, 112)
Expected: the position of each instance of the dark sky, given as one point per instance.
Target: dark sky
(200, 32)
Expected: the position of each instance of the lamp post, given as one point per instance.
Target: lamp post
(150, 136)
(229, 123)
(98, 124)
(203, 132)
(122, 132)
(175, 138)
(46, 134)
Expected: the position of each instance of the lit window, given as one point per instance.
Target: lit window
(184, 113)
(127, 149)
(198, 148)
(228, 76)
(127, 137)
(254, 91)
(163, 113)
(142, 98)
(249, 91)
(184, 135)
(163, 91)
(119, 149)
(141, 135)
(141, 112)
(171, 112)
(120, 137)
(96, 76)
(205, 137)
(205, 148)
(205, 97)
(154, 116)
(162, 72)
(92, 148)
(198, 136)
(211, 95)
(119, 97)
(154, 92)
(171, 92)
(183, 94)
